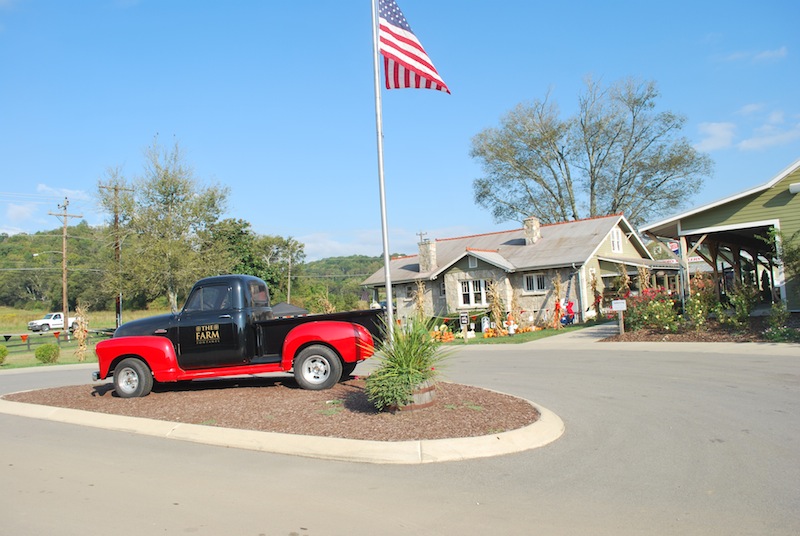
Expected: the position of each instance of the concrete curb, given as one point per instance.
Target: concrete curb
(547, 429)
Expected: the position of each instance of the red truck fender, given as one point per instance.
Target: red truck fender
(157, 352)
(352, 342)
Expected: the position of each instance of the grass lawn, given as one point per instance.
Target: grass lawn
(520, 338)
(14, 324)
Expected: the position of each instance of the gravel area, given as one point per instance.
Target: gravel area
(272, 404)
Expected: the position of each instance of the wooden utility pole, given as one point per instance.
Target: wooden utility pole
(117, 245)
(65, 219)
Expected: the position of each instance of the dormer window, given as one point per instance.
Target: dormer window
(473, 262)
(616, 240)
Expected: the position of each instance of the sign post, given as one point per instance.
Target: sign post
(464, 320)
(620, 306)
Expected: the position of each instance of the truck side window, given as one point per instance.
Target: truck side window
(258, 294)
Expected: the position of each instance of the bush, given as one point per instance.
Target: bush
(653, 309)
(410, 360)
(743, 299)
(47, 353)
(777, 330)
(695, 313)
(3, 354)
(778, 315)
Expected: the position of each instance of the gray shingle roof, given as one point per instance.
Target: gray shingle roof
(561, 245)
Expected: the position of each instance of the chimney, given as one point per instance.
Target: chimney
(532, 230)
(427, 255)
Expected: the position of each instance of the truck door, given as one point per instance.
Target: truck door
(207, 333)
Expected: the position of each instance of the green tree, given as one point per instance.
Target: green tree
(235, 239)
(616, 155)
(168, 222)
(284, 259)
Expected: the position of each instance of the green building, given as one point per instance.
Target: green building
(731, 236)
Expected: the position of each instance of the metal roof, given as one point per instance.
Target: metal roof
(560, 245)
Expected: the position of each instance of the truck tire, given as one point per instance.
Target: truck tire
(317, 367)
(44, 327)
(132, 378)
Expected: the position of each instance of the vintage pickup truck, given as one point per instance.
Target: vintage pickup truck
(227, 328)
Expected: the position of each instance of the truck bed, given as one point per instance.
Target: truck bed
(273, 332)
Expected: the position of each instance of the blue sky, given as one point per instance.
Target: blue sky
(275, 100)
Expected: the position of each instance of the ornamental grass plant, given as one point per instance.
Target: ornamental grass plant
(407, 360)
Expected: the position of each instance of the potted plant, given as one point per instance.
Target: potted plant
(409, 364)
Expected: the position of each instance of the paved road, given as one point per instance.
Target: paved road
(660, 439)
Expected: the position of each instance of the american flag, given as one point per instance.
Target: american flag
(405, 62)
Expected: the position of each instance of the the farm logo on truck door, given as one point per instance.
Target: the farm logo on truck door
(207, 334)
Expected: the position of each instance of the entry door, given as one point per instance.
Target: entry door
(207, 333)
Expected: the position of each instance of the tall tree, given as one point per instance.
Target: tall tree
(284, 258)
(617, 155)
(170, 217)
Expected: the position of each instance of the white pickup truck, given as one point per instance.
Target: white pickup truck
(52, 321)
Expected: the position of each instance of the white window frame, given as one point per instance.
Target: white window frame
(473, 262)
(535, 283)
(472, 287)
(616, 240)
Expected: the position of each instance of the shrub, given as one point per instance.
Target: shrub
(405, 363)
(695, 313)
(743, 299)
(3, 354)
(47, 353)
(777, 330)
(778, 315)
(653, 309)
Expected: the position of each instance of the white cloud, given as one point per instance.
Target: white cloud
(15, 213)
(759, 57)
(715, 136)
(775, 118)
(63, 192)
(770, 55)
(10, 230)
(749, 109)
(769, 136)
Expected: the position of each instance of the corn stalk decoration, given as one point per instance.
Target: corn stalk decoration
(598, 297)
(644, 278)
(419, 300)
(557, 311)
(81, 332)
(496, 309)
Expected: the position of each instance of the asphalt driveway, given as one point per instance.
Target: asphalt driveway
(661, 438)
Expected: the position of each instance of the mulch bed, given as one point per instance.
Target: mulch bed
(712, 332)
(278, 405)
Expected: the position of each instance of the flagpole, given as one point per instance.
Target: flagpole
(381, 185)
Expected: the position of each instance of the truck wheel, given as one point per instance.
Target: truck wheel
(45, 327)
(317, 367)
(132, 378)
(73, 327)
